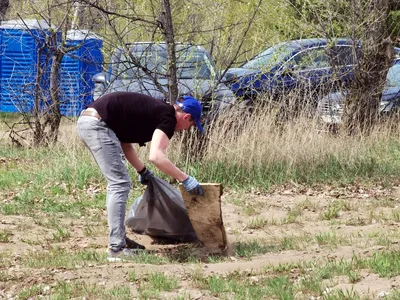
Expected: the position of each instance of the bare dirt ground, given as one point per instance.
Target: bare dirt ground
(363, 225)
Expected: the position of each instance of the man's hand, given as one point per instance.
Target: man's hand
(192, 186)
(145, 176)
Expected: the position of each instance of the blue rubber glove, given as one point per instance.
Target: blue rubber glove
(192, 186)
(145, 176)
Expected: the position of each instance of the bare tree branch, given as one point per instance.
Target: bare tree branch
(125, 16)
(246, 31)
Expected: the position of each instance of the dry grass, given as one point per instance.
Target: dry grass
(258, 142)
(256, 139)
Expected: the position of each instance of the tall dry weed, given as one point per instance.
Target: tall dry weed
(258, 137)
(253, 140)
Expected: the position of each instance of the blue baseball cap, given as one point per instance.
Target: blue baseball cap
(193, 107)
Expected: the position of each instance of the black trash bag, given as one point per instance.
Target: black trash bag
(161, 214)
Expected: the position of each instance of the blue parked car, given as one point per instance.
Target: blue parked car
(313, 65)
(330, 107)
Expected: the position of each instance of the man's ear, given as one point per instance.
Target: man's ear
(187, 116)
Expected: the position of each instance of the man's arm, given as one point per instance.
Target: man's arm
(131, 156)
(158, 157)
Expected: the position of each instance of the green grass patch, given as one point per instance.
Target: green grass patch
(149, 258)
(132, 276)
(154, 283)
(292, 215)
(396, 215)
(254, 247)
(285, 281)
(61, 234)
(7, 276)
(359, 221)
(6, 260)
(307, 204)
(328, 238)
(258, 223)
(35, 198)
(350, 268)
(277, 287)
(386, 264)
(394, 295)
(31, 292)
(250, 210)
(343, 295)
(162, 282)
(383, 202)
(72, 290)
(214, 259)
(61, 258)
(4, 236)
(332, 211)
(251, 248)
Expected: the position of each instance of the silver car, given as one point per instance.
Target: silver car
(330, 108)
(143, 70)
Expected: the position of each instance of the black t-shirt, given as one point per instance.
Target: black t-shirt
(134, 117)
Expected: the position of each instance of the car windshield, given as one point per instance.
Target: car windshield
(393, 76)
(270, 57)
(190, 64)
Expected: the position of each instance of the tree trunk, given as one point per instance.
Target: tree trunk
(38, 129)
(362, 101)
(4, 4)
(54, 116)
(170, 41)
(46, 124)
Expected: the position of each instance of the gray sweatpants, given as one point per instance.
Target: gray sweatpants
(107, 152)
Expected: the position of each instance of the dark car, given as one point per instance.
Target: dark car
(316, 65)
(330, 107)
(143, 69)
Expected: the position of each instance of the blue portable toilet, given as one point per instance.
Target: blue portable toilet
(77, 70)
(22, 54)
